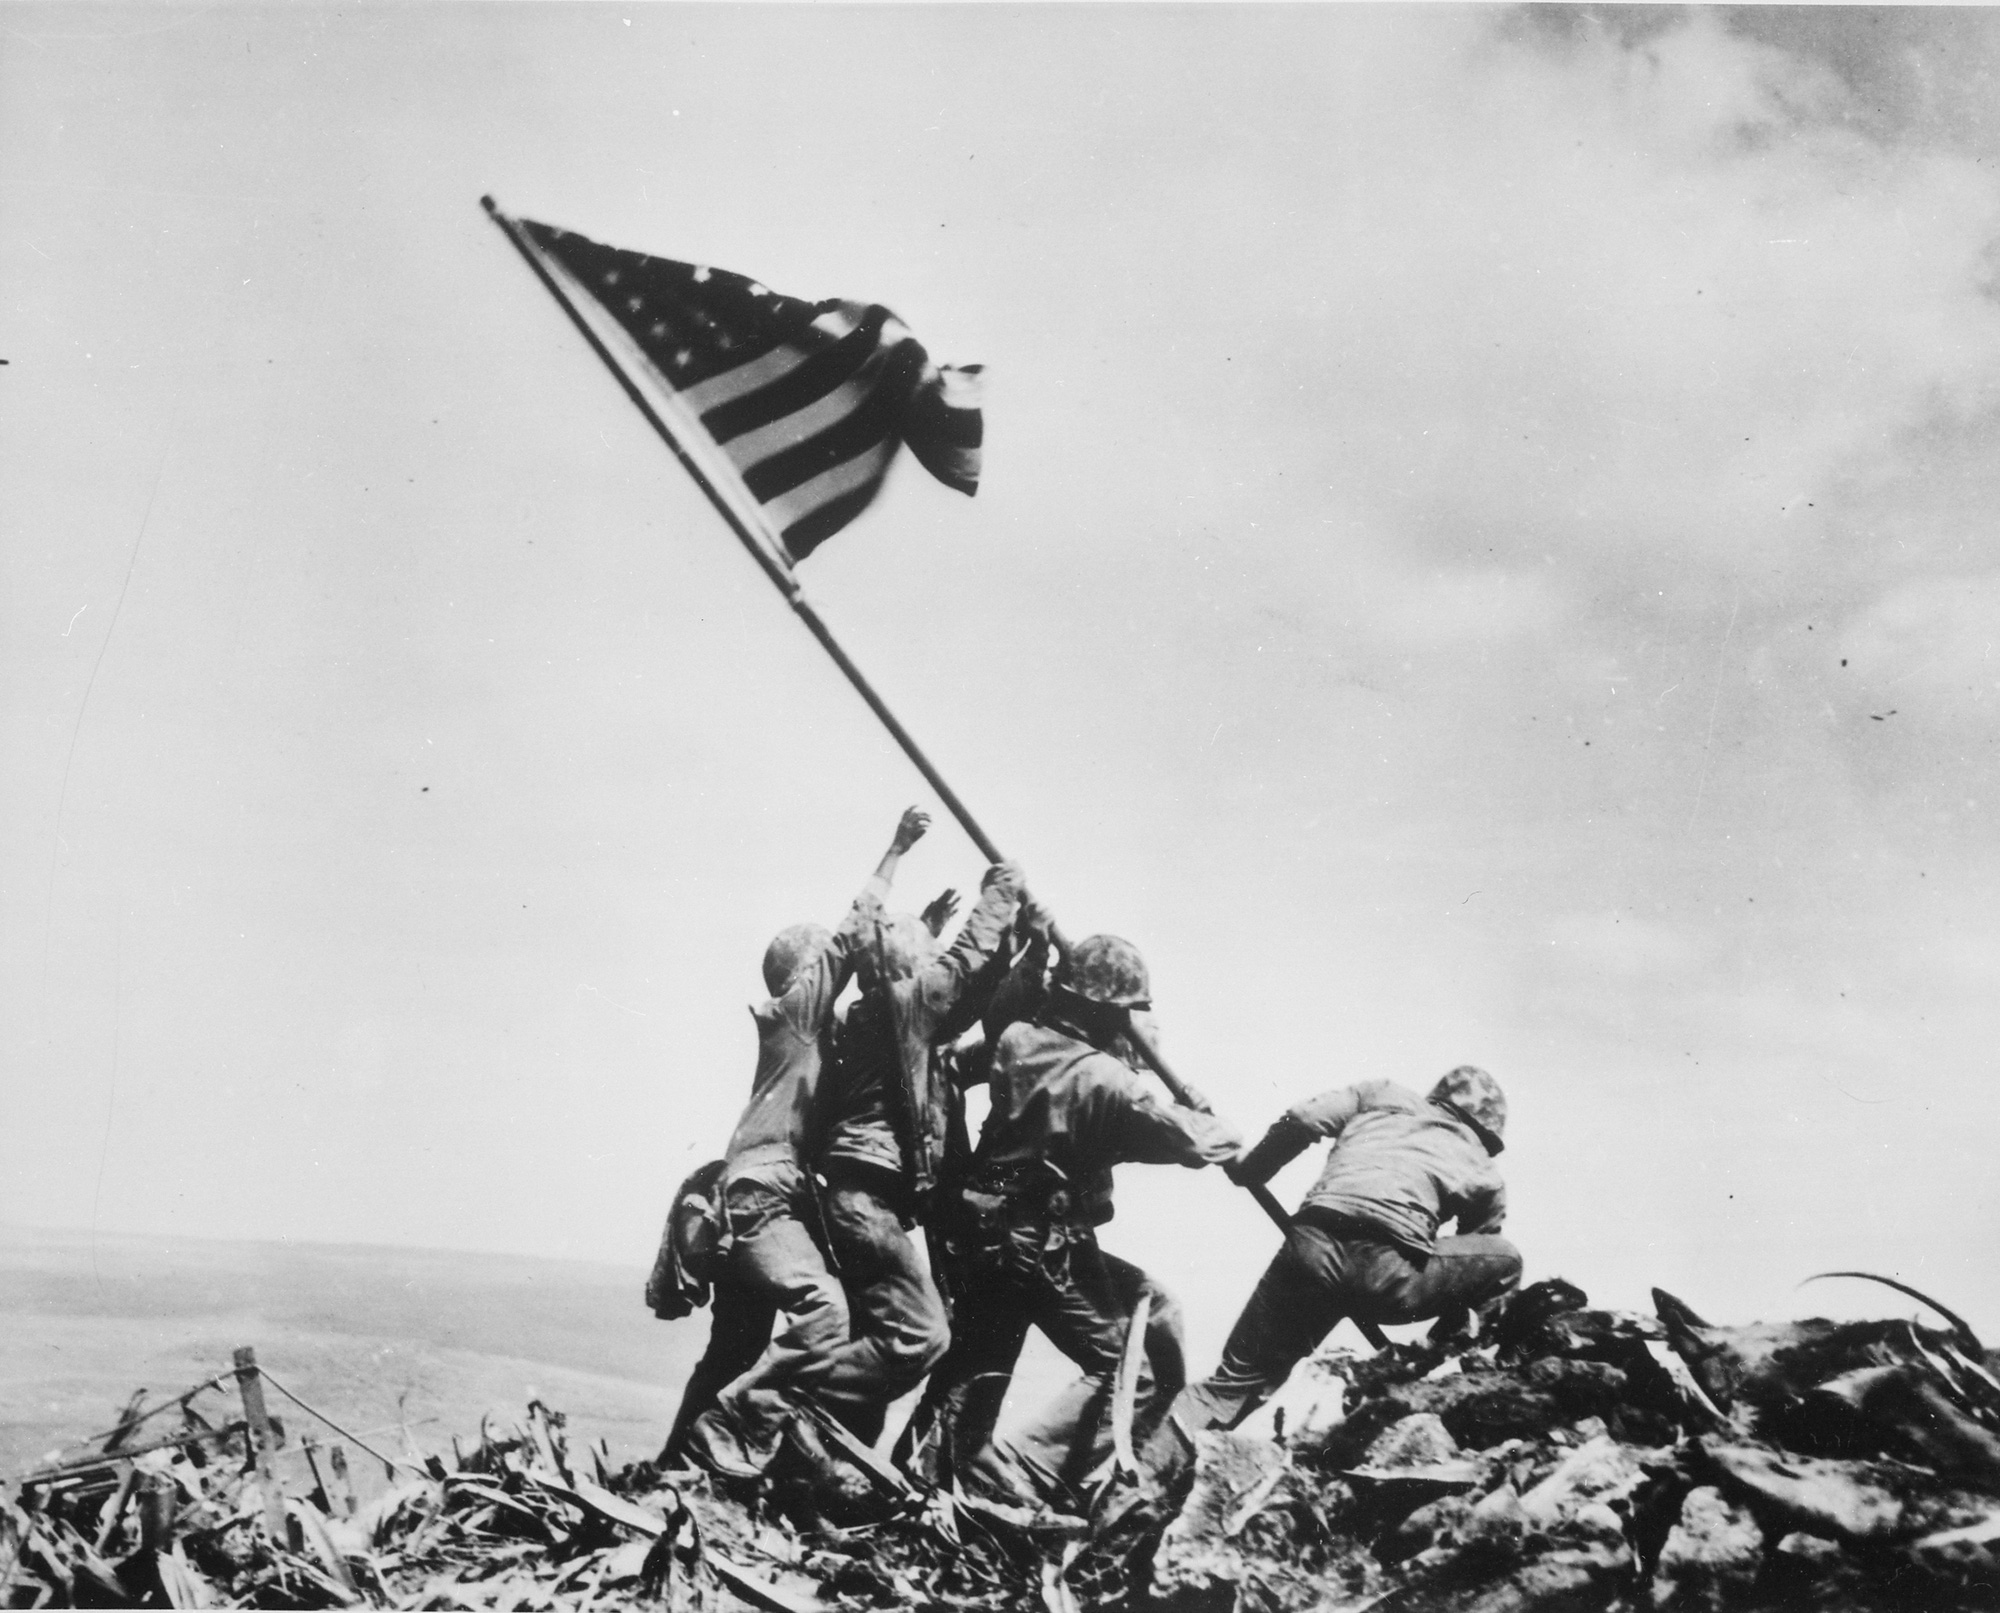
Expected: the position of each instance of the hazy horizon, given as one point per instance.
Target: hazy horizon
(378, 1339)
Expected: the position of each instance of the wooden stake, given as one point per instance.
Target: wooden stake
(337, 1459)
(128, 1419)
(322, 1496)
(262, 1442)
(159, 1500)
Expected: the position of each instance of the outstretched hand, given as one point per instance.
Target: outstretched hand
(939, 913)
(910, 828)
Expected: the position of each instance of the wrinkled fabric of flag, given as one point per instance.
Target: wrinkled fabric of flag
(807, 401)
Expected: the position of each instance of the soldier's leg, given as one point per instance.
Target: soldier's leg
(954, 1421)
(898, 1320)
(776, 1259)
(1070, 1436)
(1293, 1307)
(1086, 1308)
(1163, 1366)
(995, 1284)
(1391, 1285)
(739, 1328)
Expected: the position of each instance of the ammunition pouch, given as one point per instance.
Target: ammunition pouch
(1018, 1218)
(1008, 1195)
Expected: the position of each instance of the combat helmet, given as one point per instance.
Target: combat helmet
(789, 950)
(1474, 1097)
(1108, 970)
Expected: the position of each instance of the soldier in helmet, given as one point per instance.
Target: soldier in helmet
(1365, 1243)
(775, 1272)
(1067, 1105)
(888, 1107)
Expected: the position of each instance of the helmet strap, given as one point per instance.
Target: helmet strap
(1486, 1138)
(1099, 1024)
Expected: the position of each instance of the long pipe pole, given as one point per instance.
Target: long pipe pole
(787, 584)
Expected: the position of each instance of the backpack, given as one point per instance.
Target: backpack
(692, 1245)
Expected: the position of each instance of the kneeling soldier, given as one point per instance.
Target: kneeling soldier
(1365, 1243)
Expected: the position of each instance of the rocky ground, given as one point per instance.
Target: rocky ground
(1552, 1457)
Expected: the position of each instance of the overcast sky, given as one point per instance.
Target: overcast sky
(1487, 554)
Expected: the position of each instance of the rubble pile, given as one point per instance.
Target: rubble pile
(515, 1523)
(1547, 1456)
(518, 1522)
(1583, 1459)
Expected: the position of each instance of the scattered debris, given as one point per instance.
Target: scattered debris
(1554, 1457)
(1577, 1458)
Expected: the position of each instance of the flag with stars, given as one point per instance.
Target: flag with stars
(800, 405)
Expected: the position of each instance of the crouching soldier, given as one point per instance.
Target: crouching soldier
(889, 1108)
(1365, 1243)
(1067, 1105)
(775, 1272)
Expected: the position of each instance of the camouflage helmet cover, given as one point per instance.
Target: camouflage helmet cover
(790, 950)
(1475, 1097)
(1107, 969)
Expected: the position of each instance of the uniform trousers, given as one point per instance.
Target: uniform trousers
(898, 1324)
(1326, 1271)
(859, 1329)
(775, 1267)
(739, 1327)
(1033, 1274)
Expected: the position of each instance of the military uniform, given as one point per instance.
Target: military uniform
(889, 1110)
(1063, 1114)
(776, 1271)
(1365, 1243)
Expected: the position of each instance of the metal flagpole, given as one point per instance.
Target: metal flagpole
(786, 584)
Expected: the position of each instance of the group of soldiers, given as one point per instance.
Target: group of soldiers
(854, 1138)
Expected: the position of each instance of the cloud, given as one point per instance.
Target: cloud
(1934, 639)
(1914, 74)
(1638, 305)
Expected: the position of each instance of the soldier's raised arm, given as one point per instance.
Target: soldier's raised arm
(813, 966)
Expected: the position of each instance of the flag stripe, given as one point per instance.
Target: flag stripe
(809, 532)
(744, 379)
(822, 370)
(863, 470)
(755, 446)
(871, 423)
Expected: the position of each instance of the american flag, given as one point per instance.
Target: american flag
(806, 402)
